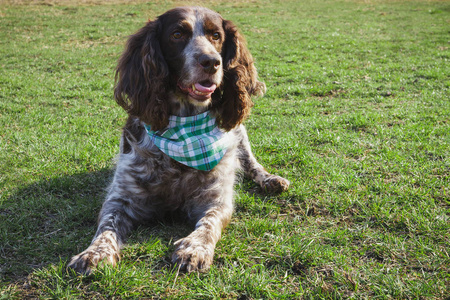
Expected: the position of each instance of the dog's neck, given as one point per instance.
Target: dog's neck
(182, 106)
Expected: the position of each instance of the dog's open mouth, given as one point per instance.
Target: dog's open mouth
(199, 91)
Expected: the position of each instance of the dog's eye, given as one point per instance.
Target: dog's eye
(216, 36)
(177, 35)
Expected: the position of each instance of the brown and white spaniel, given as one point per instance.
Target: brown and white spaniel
(189, 62)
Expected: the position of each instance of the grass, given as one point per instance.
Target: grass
(356, 116)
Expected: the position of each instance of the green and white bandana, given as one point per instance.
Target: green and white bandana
(194, 141)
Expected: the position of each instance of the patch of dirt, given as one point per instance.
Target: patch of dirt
(110, 2)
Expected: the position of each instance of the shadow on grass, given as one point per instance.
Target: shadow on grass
(48, 221)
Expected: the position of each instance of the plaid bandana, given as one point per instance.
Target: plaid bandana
(194, 141)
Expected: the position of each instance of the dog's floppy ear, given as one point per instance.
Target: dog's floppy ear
(240, 79)
(142, 77)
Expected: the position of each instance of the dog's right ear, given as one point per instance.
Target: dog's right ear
(142, 76)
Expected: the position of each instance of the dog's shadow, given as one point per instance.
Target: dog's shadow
(49, 221)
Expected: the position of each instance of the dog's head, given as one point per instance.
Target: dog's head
(193, 55)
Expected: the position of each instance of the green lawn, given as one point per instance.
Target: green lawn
(357, 117)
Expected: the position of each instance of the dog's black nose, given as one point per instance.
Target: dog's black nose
(209, 62)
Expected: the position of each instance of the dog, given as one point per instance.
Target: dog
(186, 81)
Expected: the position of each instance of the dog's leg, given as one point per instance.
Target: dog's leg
(254, 170)
(196, 251)
(114, 225)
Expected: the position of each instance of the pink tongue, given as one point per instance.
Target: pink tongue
(205, 89)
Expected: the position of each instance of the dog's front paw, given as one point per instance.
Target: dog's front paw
(192, 255)
(275, 184)
(86, 261)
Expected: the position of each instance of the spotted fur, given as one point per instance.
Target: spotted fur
(199, 48)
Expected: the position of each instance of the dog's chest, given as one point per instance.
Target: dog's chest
(160, 177)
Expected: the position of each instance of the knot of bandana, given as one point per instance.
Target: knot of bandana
(194, 141)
